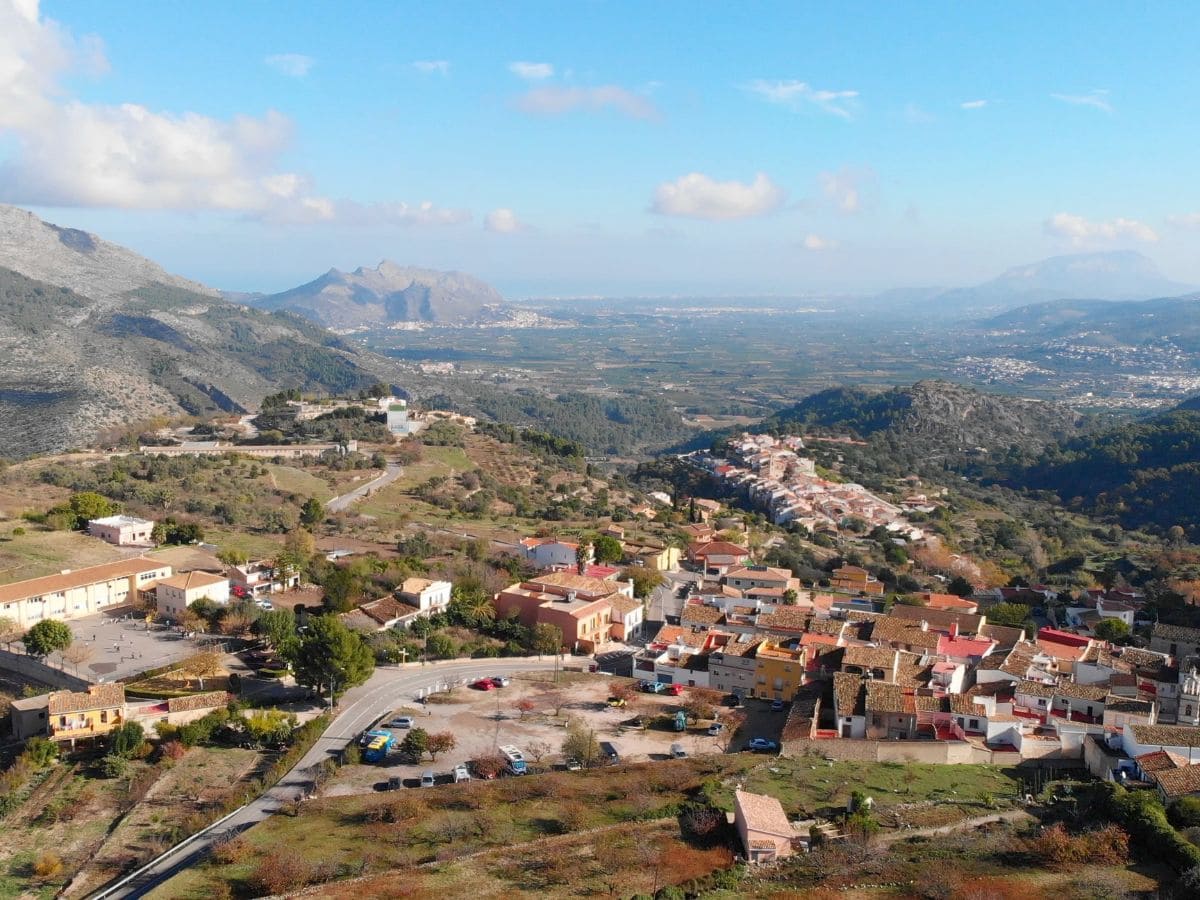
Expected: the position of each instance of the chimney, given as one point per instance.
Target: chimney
(924, 625)
(953, 630)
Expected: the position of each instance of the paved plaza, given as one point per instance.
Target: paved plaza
(122, 644)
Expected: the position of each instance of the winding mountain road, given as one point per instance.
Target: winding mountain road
(340, 502)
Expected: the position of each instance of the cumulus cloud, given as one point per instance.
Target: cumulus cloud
(503, 221)
(557, 101)
(1079, 230)
(531, 71)
(1097, 99)
(847, 189)
(816, 243)
(799, 93)
(432, 66)
(696, 196)
(974, 104)
(294, 65)
(65, 152)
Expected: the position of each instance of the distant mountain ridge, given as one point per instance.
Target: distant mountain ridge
(1101, 322)
(93, 335)
(934, 417)
(387, 294)
(1120, 275)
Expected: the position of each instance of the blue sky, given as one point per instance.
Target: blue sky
(608, 148)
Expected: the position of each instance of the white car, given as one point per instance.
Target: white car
(461, 773)
(401, 722)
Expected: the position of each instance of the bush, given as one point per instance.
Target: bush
(47, 865)
(114, 766)
(1185, 812)
(280, 873)
(1144, 818)
(173, 750)
(40, 752)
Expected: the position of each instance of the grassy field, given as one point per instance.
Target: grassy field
(509, 820)
(255, 546)
(299, 481)
(42, 552)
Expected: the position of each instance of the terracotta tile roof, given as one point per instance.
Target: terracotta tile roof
(571, 581)
(625, 605)
(98, 696)
(1178, 633)
(826, 626)
(848, 694)
(209, 700)
(186, 581)
(1115, 704)
(1035, 689)
(1165, 735)
(785, 618)
(871, 658)
(910, 672)
(763, 813)
(716, 548)
(1018, 662)
(54, 584)
(760, 573)
(700, 614)
(932, 704)
(414, 585)
(898, 631)
(884, 697)
(387, 609)
(964, 704)
(1179, 782)
(860, 615)
(677, 634)
(742, 646)
(949, 601)
(940, 618)
(1079, 691)
(1004, 635)
(1159, 761)
(1140, 658)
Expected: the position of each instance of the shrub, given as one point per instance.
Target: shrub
(47, 865)
(283, 871)
(173, 750)
(114, 766)
(1185, 812)
(40, 752)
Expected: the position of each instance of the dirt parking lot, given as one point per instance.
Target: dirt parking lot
(481, 721)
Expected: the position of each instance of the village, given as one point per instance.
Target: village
(715, 653)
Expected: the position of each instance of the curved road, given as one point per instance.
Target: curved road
(360, 708)
(340, 502)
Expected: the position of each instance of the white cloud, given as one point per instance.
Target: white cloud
(293, 65)
(65, 152)
(1096, 99)
(1079, 230)
(974, 104)
(800, 93)
(816, 243)
(1190, 221)
(531, 71)
(556, 101)
(696, 196)
(847, 189)
(432, 66)
(503, 221)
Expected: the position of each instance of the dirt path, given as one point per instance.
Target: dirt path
(1012, 815)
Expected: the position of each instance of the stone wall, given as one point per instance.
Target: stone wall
(31, 669)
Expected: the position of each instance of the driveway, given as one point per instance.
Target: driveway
(360, 708)
(339, 503)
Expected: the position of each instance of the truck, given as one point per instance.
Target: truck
(516, 759)
(379, 747)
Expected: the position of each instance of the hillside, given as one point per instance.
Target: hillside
(933, 418)
(384, 295)
(1114, 275)
(1109, 323)
(1141, 474)
(106, 337)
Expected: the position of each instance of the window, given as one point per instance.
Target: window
(974, 723)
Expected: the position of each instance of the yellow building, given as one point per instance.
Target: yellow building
(82, 592)
(86, 714)
(856, 580)
(778, 670)
(651, 556)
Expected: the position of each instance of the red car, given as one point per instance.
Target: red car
(675, 690)
(484, 684)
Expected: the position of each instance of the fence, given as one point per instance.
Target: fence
(35, 670)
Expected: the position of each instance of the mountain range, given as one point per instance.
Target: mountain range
(385, 295)
(93, 335)
(1121, 275)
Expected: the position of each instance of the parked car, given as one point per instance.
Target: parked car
(777, 706)
(395, 782)
(731, 700)
(500, 681)
(483, 684)
(715, 728)
(616, 702)
(761, 745)
(428, 778)
(609, 751)
(677, 752)
(571, 764)
(401, 722)
(674, 689)
(461, 773)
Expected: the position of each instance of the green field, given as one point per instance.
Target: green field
(300, 481)
(41, 552)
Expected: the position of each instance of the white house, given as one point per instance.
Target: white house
(258, 578)
(124, 531)
(427, 596)
(547, 552)
(177, 593)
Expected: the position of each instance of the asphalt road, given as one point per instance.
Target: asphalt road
(665, 602)
(360, 708)
(340, 502)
